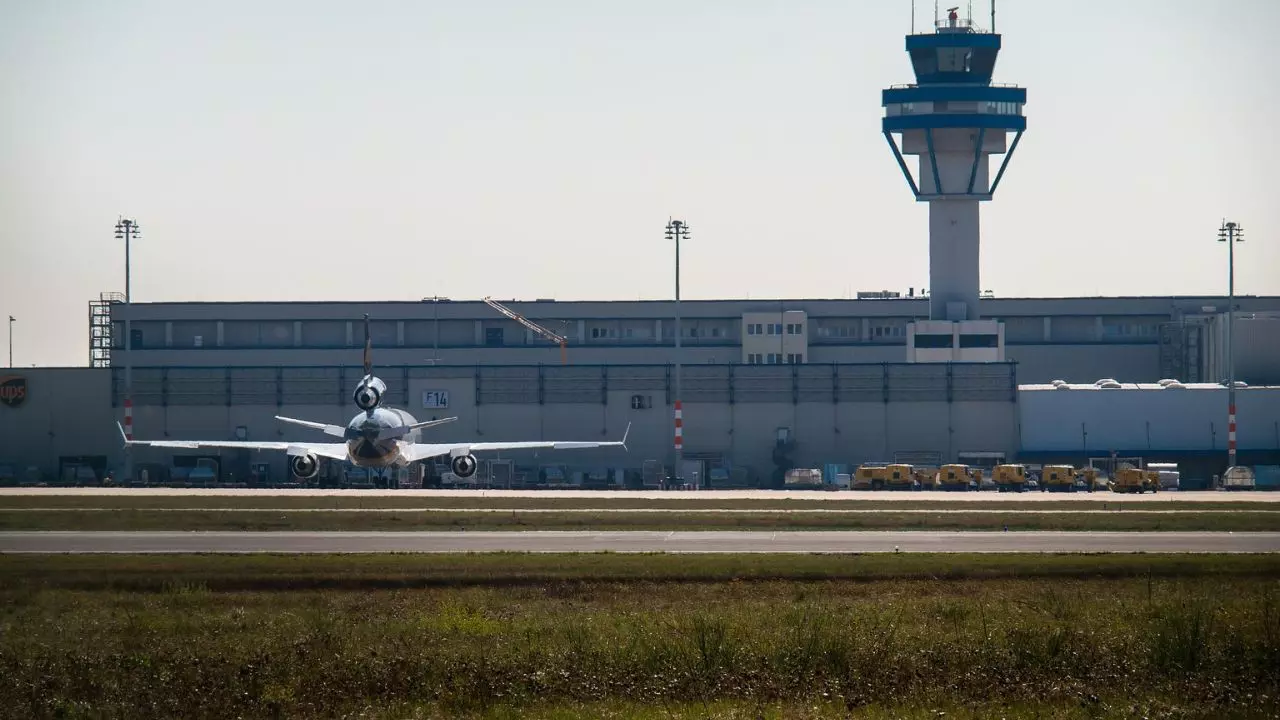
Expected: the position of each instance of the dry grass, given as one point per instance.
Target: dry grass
(640, 636)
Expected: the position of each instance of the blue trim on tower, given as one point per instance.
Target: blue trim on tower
(950, 40)
(960, 93)
(933, 160)
(1007, 156)
(898, 123)
(902, 164)
(977, 155)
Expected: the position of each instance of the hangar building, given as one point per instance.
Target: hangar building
(827, 378)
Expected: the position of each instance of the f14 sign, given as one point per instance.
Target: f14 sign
(435, 398)
(13, 390)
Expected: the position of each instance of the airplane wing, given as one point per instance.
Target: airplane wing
(336, 451)
(422, 451)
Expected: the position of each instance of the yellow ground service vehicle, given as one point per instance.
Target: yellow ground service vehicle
(1090, 478)
(1058, 478)
(927, 478)
(900, 477)
(955, 477)
(869, 477)
(1010, 478)
(1134, 480)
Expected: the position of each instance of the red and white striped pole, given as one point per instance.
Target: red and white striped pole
(128, 418)
(1231, 433)
(679, 427)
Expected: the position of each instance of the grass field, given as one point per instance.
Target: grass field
(506, 636)
(130, 519)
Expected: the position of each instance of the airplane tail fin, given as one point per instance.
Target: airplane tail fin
(368, 347)
(124, 437)
(624, 437)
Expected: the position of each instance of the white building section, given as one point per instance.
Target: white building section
(946, 341)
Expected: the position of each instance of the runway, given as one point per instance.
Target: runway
(1116, 509)
(638, 542)
(1167, 497)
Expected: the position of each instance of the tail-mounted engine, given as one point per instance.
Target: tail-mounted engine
(369, 394)
(304, 466)
(464, 466)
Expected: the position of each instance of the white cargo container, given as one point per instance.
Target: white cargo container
(1170, 477)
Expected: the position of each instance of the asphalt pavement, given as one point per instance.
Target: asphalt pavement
(1102, 496)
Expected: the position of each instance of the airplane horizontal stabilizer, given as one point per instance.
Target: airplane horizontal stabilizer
(333, 430)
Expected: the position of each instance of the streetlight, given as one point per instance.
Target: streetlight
(1231, 233)
(676, 230)
(127, 229)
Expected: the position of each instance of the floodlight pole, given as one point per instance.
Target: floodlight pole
(1231, 233)
(676, 229)
(127, 229)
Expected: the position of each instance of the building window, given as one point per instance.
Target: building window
(717, 332)
(641, 402)
(751, 328)
(795, 358)
(753, 358)
(795, 328)
(774, 359)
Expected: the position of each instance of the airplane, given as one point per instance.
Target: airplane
(379, 436)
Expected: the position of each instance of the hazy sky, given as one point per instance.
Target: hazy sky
(381, 150)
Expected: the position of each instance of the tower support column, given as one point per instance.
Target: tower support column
(953, 260)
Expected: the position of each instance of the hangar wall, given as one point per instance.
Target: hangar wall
(1146, 418)
(733, 413)
(66, 412)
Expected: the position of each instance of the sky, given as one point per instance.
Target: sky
(383, 150)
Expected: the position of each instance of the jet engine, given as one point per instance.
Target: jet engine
(304, 466)
(464, 466)
(369, 395)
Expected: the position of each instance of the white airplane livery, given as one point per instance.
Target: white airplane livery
(378, 436)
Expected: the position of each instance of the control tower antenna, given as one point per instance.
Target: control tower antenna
(953, 119)
(993, 16)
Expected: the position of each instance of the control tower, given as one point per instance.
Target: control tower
(953, 119)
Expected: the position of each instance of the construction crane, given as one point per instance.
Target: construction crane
(553, 337)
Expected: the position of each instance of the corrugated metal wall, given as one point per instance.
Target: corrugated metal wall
(1186, 420)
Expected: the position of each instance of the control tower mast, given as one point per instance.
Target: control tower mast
(953, 119)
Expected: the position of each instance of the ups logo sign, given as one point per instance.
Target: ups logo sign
(13, 390)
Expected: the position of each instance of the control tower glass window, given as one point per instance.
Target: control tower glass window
(924, 61)
(954, 60)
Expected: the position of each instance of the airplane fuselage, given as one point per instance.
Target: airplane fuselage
(365, 447)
